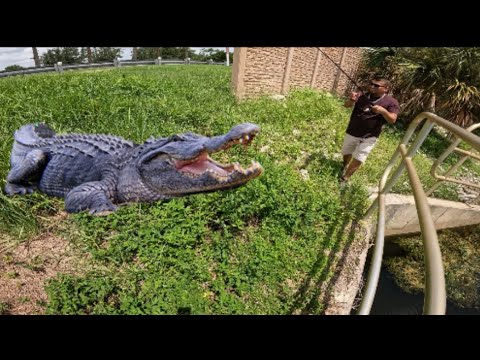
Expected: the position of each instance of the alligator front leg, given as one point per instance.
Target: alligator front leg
(92, 196)
(23, 177)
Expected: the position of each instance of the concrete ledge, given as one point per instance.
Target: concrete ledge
(401, 214)
(348, 279)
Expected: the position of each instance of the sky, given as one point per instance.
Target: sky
(23, 56)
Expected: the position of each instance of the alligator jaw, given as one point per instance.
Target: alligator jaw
(203, 164)
(183, 166)
(245, 140)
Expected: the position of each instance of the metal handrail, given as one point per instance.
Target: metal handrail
(435, 295)
(443, 156)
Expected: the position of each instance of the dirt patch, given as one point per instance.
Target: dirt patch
(25, 268)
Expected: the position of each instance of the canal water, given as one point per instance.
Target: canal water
(390, 299)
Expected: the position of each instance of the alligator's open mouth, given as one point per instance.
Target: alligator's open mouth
(204, 164)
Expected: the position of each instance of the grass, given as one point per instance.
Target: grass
(264, 248)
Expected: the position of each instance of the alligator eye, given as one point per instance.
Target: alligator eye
(160, 157)
(177, 138)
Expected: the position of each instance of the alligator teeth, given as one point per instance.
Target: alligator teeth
(216, 175)
(237, 167)
(192, 175)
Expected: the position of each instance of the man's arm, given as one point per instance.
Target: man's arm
(389, 117)
(349, 103)
(352, 99)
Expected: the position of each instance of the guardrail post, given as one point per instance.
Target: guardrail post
(158, 61)
(59, 67)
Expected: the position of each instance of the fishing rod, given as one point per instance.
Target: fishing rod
(366, 109)
(338, 66)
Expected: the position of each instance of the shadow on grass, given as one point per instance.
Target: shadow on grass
(316, 288)
(324, 165)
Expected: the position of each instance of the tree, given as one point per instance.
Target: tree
(219, 56)
(147, 53)
(151, 53)
(205, 54)
(214, 55)
(443, 80)
(67, 55)
(105, 54)
(14, 68)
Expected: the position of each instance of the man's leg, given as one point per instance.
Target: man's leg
(354, 165)
(359, 156)
(348, 147)
(346, 161)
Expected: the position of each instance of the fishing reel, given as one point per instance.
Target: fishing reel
(367, 109)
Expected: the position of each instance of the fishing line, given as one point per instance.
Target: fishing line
(338, 66)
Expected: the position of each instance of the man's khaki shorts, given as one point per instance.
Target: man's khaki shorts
(358, 147)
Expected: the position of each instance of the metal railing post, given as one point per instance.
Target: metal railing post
(435, 302)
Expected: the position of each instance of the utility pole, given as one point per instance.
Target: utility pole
(89, 55)
(35, 57)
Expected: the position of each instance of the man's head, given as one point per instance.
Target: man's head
(379, 86)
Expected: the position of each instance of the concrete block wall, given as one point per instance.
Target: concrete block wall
(351, 63)
(303, 65)
(327, 71)
(276, 70)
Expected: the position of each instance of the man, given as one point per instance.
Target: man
(372, 110)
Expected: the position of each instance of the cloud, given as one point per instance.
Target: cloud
(22, 56)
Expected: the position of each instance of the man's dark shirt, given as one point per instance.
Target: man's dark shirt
(367, 123)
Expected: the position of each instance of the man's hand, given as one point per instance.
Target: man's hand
(388, 116)
(352, 99)
(377, 109)
(354, 96)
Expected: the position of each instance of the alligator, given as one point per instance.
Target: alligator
(97, 173)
